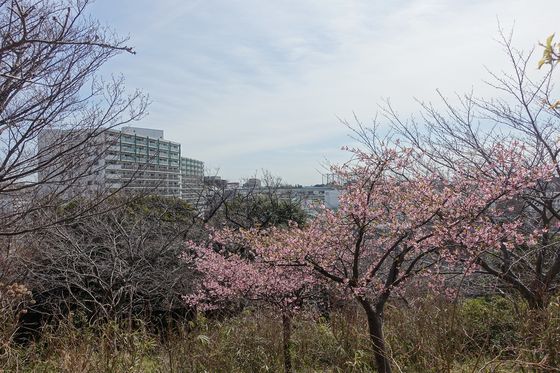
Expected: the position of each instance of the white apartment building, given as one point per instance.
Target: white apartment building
(134, 159)
(192, 179)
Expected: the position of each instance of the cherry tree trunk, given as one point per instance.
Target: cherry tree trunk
(286, 341)
(538, 301)
(375, 328)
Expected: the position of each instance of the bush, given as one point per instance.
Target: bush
(490, 324)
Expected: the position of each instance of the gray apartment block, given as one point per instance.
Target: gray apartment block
(192, 179)
(138, 160)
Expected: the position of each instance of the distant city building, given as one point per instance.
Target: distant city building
(308, 197)
(192, 178)
(233, 185)
(215, 182)
(311, 197)
(252, 183)
(135, 159)
(139, 159)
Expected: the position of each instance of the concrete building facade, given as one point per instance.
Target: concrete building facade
(140, 159)
(192, 179)
(137, 159)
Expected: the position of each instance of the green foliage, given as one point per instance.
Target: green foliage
(540, 330)
(551, 52)
(263, 211)
(491, 323)
(551, 56)
(65, 348)
(165, 209)
(424, 336)
(168, 209)
(486, 334)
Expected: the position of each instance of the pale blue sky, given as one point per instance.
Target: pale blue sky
(250, 85)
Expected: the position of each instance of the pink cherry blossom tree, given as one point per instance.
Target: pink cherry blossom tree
(397, 221)
(400, 218)
(521, 105)
(232, 273)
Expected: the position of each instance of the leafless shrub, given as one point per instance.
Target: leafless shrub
(119, 265)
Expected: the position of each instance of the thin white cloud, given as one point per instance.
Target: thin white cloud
(239, 81)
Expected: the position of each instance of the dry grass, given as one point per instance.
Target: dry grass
(427, 336)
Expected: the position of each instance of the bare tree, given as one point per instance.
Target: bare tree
(123, 263)
(50, 52)
(270, 203)
(118, 265)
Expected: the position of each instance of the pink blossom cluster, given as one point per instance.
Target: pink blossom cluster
(229, 276)
(399, 216)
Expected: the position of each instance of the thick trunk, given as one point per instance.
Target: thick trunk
(375, 328)
(538, 298)
(537, 303)
(286, 341)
